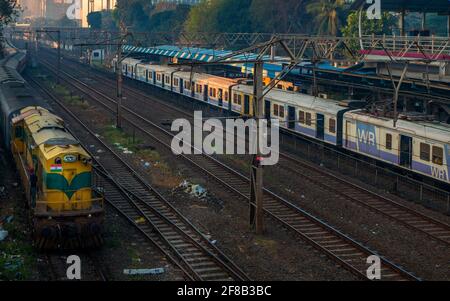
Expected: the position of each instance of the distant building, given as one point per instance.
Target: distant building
(32, 9)
(88, 6)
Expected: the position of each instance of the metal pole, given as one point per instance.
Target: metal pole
(119, 86)
(256, 197)
(59, 56)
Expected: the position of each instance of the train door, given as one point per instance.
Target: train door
(181, 86)
(220, 95)
(163, 80)
(146, 76)
(291, 117)
(154, 78)
(320, 126)
(267, 109)
(246, 105)
(405, 151)
(348, 128)
(193, 89)
(205, 93)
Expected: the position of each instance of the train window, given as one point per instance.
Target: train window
(280, 87)
(158, 77)
(226, 96)
(281, 111)
(332, 126)
(175, 82)
(275, 110)
(214, 92)
(301, 117)
(308, 119)
(425, 152)
(235, 98)
(290, 88)
(239, 99)
(388, 141)
(150, 75)
(438, 155)
(167, 80)
(210, 92)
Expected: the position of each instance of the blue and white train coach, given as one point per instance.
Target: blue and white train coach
(423, 147)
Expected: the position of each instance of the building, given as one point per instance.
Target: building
(88, 6)
(32, 9)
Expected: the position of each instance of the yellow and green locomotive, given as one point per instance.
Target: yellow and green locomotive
(55, 169)
(57, 176)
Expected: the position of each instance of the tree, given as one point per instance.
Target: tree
(385, 25)
(220, 16)
(327, 14)
(285, 16)
(66, 22)
(94, 20)
(9, 10)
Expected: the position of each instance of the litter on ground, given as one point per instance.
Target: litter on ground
(3, 234)
(143, 271)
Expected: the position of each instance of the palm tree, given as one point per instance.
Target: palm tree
(326, 15)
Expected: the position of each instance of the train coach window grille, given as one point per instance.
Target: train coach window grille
(425, 152)
(332, 126)
(388, 141)
(275, 110)
(281, 111)
(438, 155)
(301, 117)
(308, 119)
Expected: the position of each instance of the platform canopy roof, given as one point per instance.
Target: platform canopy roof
(423, 6)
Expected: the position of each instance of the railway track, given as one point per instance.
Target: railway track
(330, 241)
(352, 192)
(150, 212)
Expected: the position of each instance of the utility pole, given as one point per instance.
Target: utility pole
(59, 56)
(256, 189)
(119, 85)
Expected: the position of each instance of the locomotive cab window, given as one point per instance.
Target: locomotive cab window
(388, 141)
(425, 152)
(332, 126)
(438, 155)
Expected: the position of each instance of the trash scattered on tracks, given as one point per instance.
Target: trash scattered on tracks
(144, 271)
(7, 219)
(3, 234)
(194, 189)
(140, 220)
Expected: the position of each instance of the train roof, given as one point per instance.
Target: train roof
(428, 130)
(49, 133)
(298, 99)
